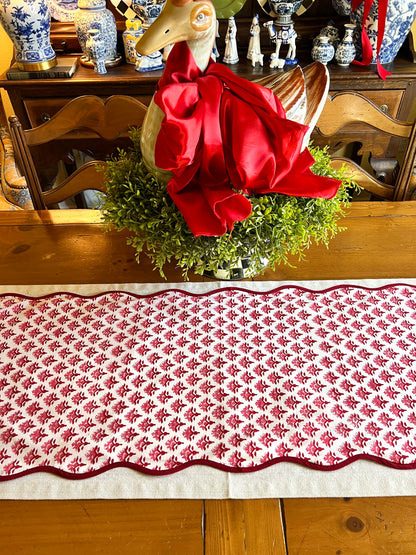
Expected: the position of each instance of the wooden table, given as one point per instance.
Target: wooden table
(70, 247)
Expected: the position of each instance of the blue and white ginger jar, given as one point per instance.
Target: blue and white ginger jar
(147, 10)
(28, 23)
(331, 32)
(342, 7)
(400, 16)
(93, 14)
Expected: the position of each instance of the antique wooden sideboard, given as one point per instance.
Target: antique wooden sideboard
(35, 101)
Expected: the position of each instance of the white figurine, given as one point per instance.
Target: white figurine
(254, 50)
(285, 35)
(231, 52)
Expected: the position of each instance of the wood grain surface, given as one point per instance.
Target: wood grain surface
(93, 526)
(70, 246)
(368, 526)
(249, 527)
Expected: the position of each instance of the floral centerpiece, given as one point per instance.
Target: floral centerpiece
(278, 226)
(220, 172)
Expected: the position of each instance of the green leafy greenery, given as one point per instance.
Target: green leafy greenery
(278, 226)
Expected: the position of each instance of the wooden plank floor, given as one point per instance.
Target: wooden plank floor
(364, 526)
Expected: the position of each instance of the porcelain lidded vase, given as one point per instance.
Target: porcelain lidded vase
(345, 53)
(342, 7)
(90, 15)
(28, 22)
(147, 10)
(331, 32)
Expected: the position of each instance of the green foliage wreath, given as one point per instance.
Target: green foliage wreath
(278, 226)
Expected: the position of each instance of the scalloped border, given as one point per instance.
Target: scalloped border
(204, 462)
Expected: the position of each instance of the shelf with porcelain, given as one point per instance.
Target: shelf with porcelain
(36, 100)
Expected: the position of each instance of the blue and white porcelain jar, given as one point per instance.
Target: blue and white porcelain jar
(345, 53)
(95, 49)
(147, 10)
(323, 51)
(28, 22)
(331, 32)
(90, 15)
(400, 16)
(342, 7)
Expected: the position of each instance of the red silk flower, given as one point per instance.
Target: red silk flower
(222, 136)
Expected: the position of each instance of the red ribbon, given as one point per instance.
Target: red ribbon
(366, 44)
(222, 136)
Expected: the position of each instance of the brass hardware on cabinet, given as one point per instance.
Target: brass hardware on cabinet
(62, 47)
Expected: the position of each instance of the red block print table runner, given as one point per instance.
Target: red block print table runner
(232, 378)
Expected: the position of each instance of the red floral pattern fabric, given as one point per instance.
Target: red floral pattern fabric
(223, 136)
(232, 378)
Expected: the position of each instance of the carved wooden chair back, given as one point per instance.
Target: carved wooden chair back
(84, 116)
(346, 108)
